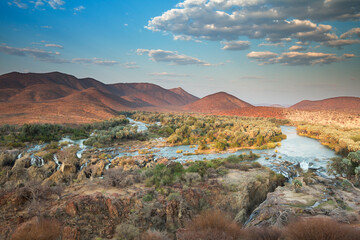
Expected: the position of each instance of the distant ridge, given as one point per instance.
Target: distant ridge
(62, 98)
(336, 103)
(59, 97)
(216, 103)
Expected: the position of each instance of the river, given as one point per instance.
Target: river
(295, 152)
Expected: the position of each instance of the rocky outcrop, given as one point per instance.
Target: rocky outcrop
(326, 197)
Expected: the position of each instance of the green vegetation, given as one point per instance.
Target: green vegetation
(15, 136)
(348, 167)
(215, 132)
(166, 175)
(342, 140)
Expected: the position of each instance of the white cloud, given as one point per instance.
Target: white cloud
(42, 55)
(53, 45)
(298, 58)
(297, 48)
(79, 9)
(174, 58)
(96, 61)
(261, 55)
(231, 19)
(339, 43)
(236, 45)
(354, 31)
(39, 3)
(167, 74)
(19, 4)
(56, 4)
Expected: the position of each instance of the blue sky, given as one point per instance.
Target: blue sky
(278, 51)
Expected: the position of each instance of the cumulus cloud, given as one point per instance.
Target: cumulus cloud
(96, 61)
(236, 45)
(351, 32)
(130, 65)
(167, 74)
(42, 55)
(298, 58)
(174, 58)
(53, 45)
(339, 43)
(261, 55)
(297, 48)
(231, 19)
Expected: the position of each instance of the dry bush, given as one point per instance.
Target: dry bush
(154, 235)
(320, 228)
(263, 233)
(117, 177)
(37, 229)
(211, 225)
(127, 231)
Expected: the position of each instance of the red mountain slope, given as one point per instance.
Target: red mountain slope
(187, 96)
(58, 97)
(216, 103)
(336, 103)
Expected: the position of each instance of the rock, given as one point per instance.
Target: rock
(67, 169)
(98, 169)
(71, 209)
(112, 210)
(39, 174)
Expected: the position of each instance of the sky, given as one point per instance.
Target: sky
(261, 51)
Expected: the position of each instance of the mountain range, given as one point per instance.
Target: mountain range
(61, 98)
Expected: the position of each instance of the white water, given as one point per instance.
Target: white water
(141, 127)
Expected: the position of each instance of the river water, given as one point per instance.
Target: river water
(294, 153)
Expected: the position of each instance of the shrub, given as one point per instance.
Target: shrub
(127, 231)
(297, 184)
(191, 177)
(117, 177)
(163, 175)
(174, 196)
(320, 228)
(263, 233)
(148, 197)
(210, 225)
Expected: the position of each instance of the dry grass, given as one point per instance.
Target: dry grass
(37, 229)
(211, 225)
(263, 233)
(320, 228)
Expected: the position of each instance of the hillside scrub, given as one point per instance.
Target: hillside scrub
(217, 132)
(342, 140)
(16, 136)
